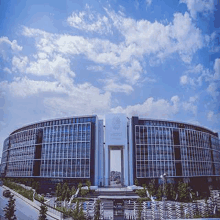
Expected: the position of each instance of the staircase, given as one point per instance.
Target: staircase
(122, 192)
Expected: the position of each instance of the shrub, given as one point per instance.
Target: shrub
(19, 189)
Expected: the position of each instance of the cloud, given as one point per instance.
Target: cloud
(160, 108)
(90, 22)
(148, 2)
(19, 63)
(141, 38)
(197, 74)
(91, 101)
(23, 87)
(190, 105)
(217, 69)
(184, 79)
(131, 72)
(180, 36)
(7, 46)
(202, 6)
(213, 89)
(95, 68)
(114, 87)
(13, 44)
(58, 67)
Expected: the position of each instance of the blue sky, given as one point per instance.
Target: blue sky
(152, 58)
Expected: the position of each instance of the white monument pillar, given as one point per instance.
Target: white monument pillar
(116, 136)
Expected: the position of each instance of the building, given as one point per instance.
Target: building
(78, 149)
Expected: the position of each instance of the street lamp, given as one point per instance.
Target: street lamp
(163, 177)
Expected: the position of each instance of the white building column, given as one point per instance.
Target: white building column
(116, 135)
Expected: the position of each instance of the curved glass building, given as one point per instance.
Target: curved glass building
(80, 148)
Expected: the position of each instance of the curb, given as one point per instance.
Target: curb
(30, 202)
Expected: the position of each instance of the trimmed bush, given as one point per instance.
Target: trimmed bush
(19, 189)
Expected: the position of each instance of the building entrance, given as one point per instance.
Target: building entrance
(116, 174)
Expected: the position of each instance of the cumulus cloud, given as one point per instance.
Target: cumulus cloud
(89, 21)
(160, 108)
(196, 75)
(112, 86)
(59, 67)
(19, 63)
(141, 38)
(23, 87)
(7, 46)
(184, 79)
(190, 105)
(91, 101)
(213, 89)
(202, 6)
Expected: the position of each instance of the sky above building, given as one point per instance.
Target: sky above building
(150, 58)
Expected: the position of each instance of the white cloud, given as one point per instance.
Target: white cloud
(190, 105)
(160, 108)
(7, 70)
(141, 38)
(89, 21)
(148, 2)
(180, 36)
(59, 67)
(114, 87)
(217, 69)
(213, 89)
(189, 38)
(184, 79)
(91, 101)
(214, 118)
(19, 63)
(7, 46)
(13, 44)
(95, 68)
(195, 6)
(23, 87)
(131, 72)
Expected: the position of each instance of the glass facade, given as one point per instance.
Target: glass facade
(180, 150)
(60, 149)
(67, 148)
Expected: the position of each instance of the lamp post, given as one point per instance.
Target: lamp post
(163, 177)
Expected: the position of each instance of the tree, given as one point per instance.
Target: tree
(97, 213)
(136, 182)
(184, 192)
(81, 214)
(58, 190)
(160, 192)
(78, 212)
(152, 187)
(88, 183)
(171, 193)
(139, 210)
(73, 190)
(10, 209)
(43, 212)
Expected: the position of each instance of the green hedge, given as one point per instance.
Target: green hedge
(19, 189)
(39, 198)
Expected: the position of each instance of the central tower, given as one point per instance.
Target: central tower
(116, 138)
